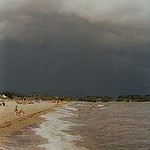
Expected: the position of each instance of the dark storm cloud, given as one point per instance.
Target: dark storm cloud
(35, 21)
(75, 47)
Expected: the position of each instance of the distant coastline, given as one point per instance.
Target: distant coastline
(49, 97)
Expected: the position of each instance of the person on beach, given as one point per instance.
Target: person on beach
(16, 109)
(24, 98)
(21, 112)
(90, 106)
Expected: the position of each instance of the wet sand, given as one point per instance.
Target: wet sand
(10, 122)
(23, 139)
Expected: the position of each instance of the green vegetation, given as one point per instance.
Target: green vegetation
(45, 97)
(12, 95)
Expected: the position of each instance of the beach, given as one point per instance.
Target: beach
(10, 121)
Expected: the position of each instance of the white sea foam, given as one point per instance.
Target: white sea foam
(12, 148)
(52, 129)
(100, 105)
(80, 105)
(2, 148)
(71, 108)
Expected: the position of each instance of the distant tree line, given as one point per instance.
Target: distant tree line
(12, 95)
(121, 98)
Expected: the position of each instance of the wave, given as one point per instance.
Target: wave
(53, 129)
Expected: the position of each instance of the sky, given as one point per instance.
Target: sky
(75, 47)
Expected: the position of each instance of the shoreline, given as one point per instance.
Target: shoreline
(10, 122)
(25, 138)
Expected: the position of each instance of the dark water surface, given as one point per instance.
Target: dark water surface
(114, 126)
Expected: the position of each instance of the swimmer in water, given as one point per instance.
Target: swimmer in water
(90, 106)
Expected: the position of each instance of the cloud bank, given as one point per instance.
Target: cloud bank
(120, 21)
(95, 45)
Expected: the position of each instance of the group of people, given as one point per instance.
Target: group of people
(19, 112)
(25, 101)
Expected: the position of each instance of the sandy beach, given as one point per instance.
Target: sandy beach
(10, 121)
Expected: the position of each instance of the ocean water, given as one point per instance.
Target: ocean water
(107, 126)
(54, 129)
(73, 126)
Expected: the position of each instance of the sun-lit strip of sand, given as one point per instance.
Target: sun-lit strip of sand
(10, 121)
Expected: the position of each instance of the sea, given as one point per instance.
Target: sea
(73, 126)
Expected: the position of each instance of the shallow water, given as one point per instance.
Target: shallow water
(107, 126)
(54, 130)
(113, 126)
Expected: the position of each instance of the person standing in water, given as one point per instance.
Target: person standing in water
(90, 106)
